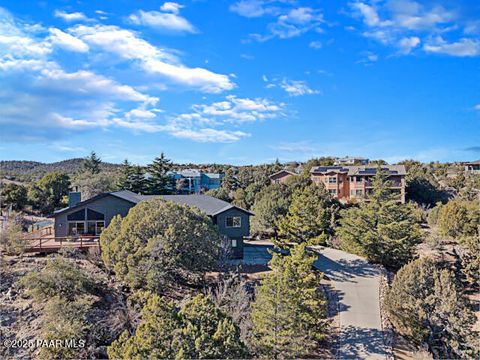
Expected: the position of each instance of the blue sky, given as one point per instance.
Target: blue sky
(240, 82)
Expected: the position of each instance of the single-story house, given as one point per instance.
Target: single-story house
(91, 216)
(281, 176)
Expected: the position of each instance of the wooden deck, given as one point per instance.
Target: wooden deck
(49, 244)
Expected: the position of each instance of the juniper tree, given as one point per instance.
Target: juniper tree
(289, 311)
(425, 304)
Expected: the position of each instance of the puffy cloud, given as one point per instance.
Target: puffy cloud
(67, 41)
(70, 17)
(128, 45)
(315, 45)
(297, 88)
(167, 19)
(406, 44)
(250, 8)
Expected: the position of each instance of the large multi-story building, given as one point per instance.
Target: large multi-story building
(192, 181)
(350, 183)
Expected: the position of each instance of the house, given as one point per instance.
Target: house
(91, 216)
(472, 167)
(281, 176)
(346, 161)
(192, 181)
(350, 183)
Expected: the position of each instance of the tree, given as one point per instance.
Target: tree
(230, 181)
(48, 193)
(270, 207)
(289, 310)
(159, 182)
(309, 217)
(124, 180)
(196, 330)
(13, 195)
(12, 239)
(137, 182)
(459, 218)
(93, 184)
(219, 193)
(160, 243)
(382, 230)
(425, 304)
(91, 164)
(239, 198)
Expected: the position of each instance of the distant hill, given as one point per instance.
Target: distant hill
(15, 168)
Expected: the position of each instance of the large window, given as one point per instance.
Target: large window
(332, 180)
(332, 191)
(92, 224)
(76, 228)
(233, 221)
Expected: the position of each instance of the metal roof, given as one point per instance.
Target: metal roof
(361, 169)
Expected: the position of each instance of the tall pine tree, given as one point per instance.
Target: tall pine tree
(91, 164)
(159, 182)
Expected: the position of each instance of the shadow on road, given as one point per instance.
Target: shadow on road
(356, 342)
(345, 270)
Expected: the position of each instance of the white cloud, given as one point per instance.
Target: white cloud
(407, 44)
(315, 45)
(297, 88)
(169, 21)
(171, 7)
(477, 107)
(67, 41)
(128, 45)
(462, 48)
(70, 17)
(250, 8)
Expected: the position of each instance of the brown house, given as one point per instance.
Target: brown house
(350, 183)
(281, 176)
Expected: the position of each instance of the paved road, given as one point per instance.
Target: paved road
(357, 285)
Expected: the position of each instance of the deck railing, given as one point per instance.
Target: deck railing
(50, 243)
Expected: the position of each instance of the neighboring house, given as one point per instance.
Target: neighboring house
(472, 167)
(91, 216)
(350, 183)
(194, 181)
(349, 161)
(281, 176)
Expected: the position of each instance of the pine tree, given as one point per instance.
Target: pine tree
(289, 310)
(124, 180)
(309, 216)
(159, 182)
(382, 230)
(92, 164)
(137, 182)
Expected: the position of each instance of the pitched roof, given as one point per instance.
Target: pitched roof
(280, 172)
(208, 204)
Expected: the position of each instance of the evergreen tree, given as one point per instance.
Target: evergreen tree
(309, 217)
(425, 304)
(289, 310)
(159, 182)
(48, 193)
(136, 181)
(230, 181)
(382, 230)
(92, 164)
(124, 180)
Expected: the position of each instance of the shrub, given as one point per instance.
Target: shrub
(12, 239)
(160, 243)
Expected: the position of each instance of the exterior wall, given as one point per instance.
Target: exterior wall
(281, 178)
(341, 184)
(108, 205)
(234, 233)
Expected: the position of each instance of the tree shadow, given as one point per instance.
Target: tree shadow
(361, 343)
(345, 270)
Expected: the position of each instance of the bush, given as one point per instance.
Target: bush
(196, 330)
(425, 304)
(160, 243)
(12, 239)
(60, 278)
(459, 218)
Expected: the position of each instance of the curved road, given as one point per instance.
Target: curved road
(357, 285)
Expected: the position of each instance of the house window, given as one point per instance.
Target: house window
(332, 180)
(358, 179)
(358, 192)
(233, 221)
(76, 227)
(234, 243)
(352, 192)
(332, 191)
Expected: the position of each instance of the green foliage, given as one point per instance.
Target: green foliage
(60, 278)
(309, 217)
(196, 330)
(12, 239)
(93, 184)
(239, 198)
(230, 181)
(382, 230)
(132, 177)
(289, 311)
(48, 193)
(220, 193)
(13, 195)
(271, 205)
(91, 164)
(159, 182)
(322, 161)
(160, 243)
(459, 218)
(425, 304)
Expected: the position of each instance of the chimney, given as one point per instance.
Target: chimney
(74, 197)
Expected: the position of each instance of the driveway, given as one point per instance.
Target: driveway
(357, 285)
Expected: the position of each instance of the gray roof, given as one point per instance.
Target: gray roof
(361, 169)
(207, 204)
